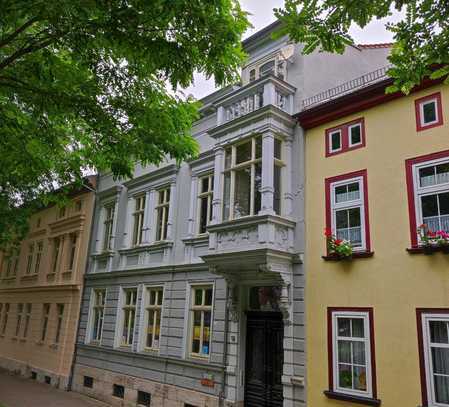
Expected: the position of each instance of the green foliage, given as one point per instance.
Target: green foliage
(83, 86)
(421, 38)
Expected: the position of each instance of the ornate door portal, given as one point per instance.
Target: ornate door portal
(264, 359)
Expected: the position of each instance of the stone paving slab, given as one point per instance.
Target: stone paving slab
(19, 392)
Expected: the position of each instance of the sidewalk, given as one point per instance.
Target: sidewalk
(19, 392)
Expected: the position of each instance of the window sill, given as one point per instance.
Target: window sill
(15, 338)
(29, 277)
(355, 255)
(351, 398)
(428, 250)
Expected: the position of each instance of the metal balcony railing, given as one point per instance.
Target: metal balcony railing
(360, 82)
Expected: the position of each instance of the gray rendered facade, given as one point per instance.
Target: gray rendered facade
(257, 244)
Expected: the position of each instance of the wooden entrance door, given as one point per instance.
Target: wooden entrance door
(264, 359)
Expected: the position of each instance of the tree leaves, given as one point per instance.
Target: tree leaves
(83, 86)
(421, 38)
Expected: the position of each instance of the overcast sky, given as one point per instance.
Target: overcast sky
(261, 14)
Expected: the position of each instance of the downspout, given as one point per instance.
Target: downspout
(221, 396)
(72, 365)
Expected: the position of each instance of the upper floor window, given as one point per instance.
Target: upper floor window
(57, 241)
(153, 315)
(40, 248)
(428, 186)
(347, 214)
(98, 305)
(243, 179)
(12, 265)
(30, 258)
(108, 226)
(201, 320)
(162, 210)
(429, 112)
(435, 356)
(205, 197)
(61, 212)
(72, 253)
(351, 348)
(346, 137)
(138, 216)
(128, 315)
(274, 66)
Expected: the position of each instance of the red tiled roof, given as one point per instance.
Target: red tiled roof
(380, 45)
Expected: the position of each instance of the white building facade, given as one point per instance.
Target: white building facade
(195, 285)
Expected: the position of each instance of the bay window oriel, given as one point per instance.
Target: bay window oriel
(252, 177)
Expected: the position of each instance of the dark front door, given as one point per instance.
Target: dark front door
(264, 359)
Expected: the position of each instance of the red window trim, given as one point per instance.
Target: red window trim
(330, 338)
(330, 181)
(418, 102)
(344, 129)
(411, 190)
(422, 364)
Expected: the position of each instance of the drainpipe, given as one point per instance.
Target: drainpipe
(221, 396)
(72, 365)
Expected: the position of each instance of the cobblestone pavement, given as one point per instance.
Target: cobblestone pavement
(19, 392)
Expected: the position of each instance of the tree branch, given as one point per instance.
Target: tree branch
(13, 35)
(27, 50)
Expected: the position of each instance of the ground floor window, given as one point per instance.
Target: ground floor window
(201, 320)
(434, 333)
(351, 347)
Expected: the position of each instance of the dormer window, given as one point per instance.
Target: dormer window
(267, 68)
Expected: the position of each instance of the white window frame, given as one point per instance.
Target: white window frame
(433, 100)
(329, 134)
(234, 167)
(91, 317)
(108, 226)
(138, 216)
(358, 203)
(162, 209)
(209, 194)
(368, 352)
(420, 191)
(426, 318)
(144, 312)
(191, 309)
(121, 317)
(350, 143)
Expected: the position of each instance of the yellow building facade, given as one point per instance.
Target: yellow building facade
(377, 167)
(41, 289)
